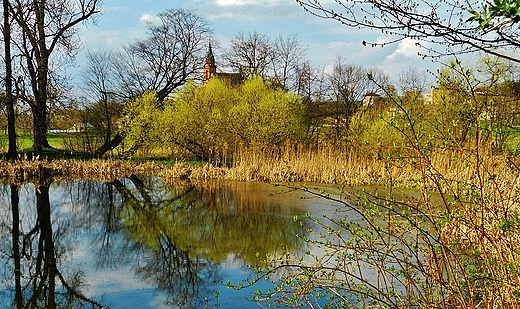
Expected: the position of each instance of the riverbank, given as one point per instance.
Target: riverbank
(312, 168)
(25, 170)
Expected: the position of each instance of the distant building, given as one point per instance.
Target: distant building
(210, 68)
(369, 99)
(210, 71)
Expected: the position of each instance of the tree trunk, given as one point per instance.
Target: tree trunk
(40, 128)
(50, 271)
(109, 145)
(46, 26)
(16, 246)
(11, 129)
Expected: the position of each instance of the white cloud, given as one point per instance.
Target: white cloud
(407, 48)
(149, 18)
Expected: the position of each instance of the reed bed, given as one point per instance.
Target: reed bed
(476, 222)
(24, 170)
(328, 165)
(291, 163)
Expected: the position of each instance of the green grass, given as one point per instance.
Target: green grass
(25, 141)
(56, 140)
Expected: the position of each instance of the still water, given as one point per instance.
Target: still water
(139, 242)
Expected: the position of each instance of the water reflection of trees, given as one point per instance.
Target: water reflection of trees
(174, 237)
(189, 230)
(212, 222)
(40, 279)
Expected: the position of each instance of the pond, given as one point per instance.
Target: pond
(139, 242)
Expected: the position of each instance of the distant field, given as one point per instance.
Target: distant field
(25, 141)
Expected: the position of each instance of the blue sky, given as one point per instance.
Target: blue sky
(122, 21)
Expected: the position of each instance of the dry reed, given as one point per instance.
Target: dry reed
(24, 170)
(291, 163)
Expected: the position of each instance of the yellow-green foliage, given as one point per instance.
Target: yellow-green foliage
(370, 129)
(266, 116)
(196, 118)
(140, 120)
(410, 120)
(455, 108)
(203, 119)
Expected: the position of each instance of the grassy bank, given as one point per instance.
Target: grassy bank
(25, 141)
(25, 170)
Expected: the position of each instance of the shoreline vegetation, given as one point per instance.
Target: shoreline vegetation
(285, 166)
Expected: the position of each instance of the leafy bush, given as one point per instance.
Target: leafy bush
(140, 122)
(206, 120)
(263, 115)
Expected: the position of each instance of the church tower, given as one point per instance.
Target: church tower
(209, 68)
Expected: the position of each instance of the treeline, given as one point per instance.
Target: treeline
(213, 120)
(115, 79)
(171, 55)
(285, 98)
(149, 98)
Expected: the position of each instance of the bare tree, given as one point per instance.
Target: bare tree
(100, 78)
(311, 81)
(46, 27)
(250, 54)
(172, 53)
(311, 84)
(348, 84)
(441, 27)
(288, 54)
(413, 82)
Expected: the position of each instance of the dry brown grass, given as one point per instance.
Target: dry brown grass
(295, 163)
(291, 163)
(24, 170)
(288, 164)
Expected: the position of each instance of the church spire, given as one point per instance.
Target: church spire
(209, 56)
(210, 69)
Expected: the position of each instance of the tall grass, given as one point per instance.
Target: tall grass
(290, 163)
(27, 170)
(332, 165)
